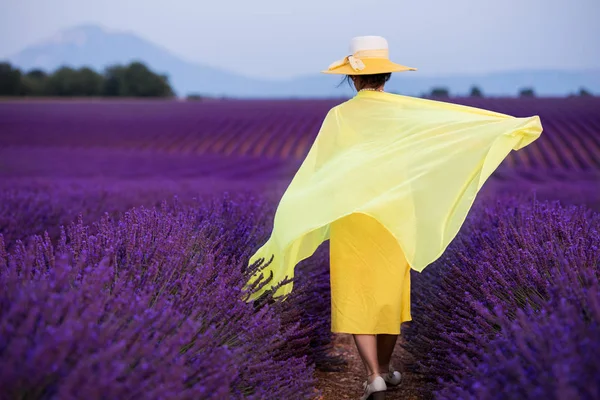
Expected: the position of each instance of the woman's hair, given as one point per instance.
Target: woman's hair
(368, 81)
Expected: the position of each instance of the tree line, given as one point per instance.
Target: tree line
(133, 80)
(477, 92)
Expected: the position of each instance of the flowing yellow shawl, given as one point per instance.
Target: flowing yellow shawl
(413, 164)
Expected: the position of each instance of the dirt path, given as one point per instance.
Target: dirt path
(347, 384)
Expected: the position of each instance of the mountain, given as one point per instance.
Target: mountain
(98, 47)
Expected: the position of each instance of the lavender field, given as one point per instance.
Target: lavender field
(126, 226)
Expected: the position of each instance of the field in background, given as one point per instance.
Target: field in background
(92, 156)
(274, 130)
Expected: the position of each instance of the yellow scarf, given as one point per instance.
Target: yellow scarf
(413, 164)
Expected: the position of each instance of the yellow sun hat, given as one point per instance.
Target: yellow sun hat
(368, 55)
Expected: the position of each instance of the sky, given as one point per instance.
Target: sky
(282, 38)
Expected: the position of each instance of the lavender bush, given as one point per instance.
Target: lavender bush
(547, 354)
(31, 206)
(510, 256)
(150, 306)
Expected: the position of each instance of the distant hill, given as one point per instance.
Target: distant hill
(97, 47)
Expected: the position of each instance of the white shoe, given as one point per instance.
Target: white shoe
(392, 377)
(377, 386)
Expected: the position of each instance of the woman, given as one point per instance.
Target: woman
(389, 180)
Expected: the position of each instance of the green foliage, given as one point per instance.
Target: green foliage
(440, 92)
(74, 82)
(33, 83)
(527, 92)
(10, 80)
(113, 78)
(139, 81)
(194, 96)
(476, 92)
(133, 80)
(583, 92)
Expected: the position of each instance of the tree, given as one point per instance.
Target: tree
(61, 82)
(135, 80)
(440, 92)
(194, 96)
(583, 92)
(65, 81)
(476, 92)
(10, 80)
(33, 83)
(113, 81)
(139, 81)
(88, 82)
(527, 92)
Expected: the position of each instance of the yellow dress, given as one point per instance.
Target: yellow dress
(414, 165)
(370, 278)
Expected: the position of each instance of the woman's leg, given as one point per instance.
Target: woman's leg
(367, 348)
(385, 348)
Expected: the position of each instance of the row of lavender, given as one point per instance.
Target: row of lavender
(150, 305)
(512, 309)
(269, 129)
(45, 201)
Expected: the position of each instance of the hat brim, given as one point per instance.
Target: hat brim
(372, 66)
